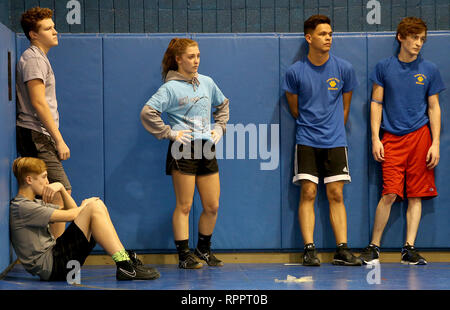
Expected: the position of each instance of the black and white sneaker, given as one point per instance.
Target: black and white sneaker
(126, 271)
(344, 256)
(209, 258)
(137, 262)
(370, 255)
(189, 262)
(310, 256)
(410, 256)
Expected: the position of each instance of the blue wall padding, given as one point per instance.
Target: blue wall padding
(77, 64)
(434, 231)
(7, 139)
(352, 48)
(103, 81)
(244, 74)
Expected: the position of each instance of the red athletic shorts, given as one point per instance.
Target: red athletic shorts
(405, 162)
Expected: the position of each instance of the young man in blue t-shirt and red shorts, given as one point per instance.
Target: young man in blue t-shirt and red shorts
(405, 104)
(319, 90)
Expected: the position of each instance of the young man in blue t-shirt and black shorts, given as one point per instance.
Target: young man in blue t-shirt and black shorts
(319, 90)
(405, 104)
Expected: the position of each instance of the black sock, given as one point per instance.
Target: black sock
(204, 243)
(182, 248)
(342, 246)
(309, 246)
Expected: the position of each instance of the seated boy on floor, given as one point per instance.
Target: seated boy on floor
(35, 246)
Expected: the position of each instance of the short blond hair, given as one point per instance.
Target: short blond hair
(25, 166)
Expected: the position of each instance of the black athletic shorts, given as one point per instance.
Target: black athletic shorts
(71, 245)
(312, 163)
(196, 158)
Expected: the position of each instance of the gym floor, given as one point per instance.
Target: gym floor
(249, 276)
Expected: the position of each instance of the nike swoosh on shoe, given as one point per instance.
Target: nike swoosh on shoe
(133, 274)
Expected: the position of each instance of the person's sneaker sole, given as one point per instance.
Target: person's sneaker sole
(371, 262)
(311, 264)
(215, 265)
(404, 262)
(197, 266)
(152, 276)
(339, 262)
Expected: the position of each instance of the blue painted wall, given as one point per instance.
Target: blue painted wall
(104, 80)
(223, 16)
(7, 139)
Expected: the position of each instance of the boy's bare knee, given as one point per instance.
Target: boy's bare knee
(101, 204)
(308, 193)
(211, 208)
(389, 198)
(96, 206)
(184, 208)
(335, 196)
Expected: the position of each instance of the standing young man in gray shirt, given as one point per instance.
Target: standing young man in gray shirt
(37, 121)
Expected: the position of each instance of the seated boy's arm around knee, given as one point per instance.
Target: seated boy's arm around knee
(51, 189)
(69, 215)
(65, 215)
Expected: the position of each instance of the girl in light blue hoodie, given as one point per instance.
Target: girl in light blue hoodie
(187, 98)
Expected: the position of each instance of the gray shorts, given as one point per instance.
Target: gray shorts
(31, 143)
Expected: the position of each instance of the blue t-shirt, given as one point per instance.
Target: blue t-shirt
(188, 108)
(320, 122)
(407, 87)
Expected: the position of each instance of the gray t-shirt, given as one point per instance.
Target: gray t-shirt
(30, 234)
(34, 64)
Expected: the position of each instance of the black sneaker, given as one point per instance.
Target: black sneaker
(126, 270)
(189, 262)
(209, 258)
(310, 256)
(137, 262)
(370, 255)
(344, 257)
(410, 256)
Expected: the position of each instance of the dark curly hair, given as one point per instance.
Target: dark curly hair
(31, 18)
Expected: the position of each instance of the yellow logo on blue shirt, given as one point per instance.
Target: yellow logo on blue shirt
(420, 79)
(332, 83)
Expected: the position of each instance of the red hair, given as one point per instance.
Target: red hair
(177, 47)
(409, 26)
(31, 18)
(25, 166)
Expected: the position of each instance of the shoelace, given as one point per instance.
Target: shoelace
(412, 252)
(189, 259)
(134, 258)
(311, 252)
(369, 249)
(206, 255)
(347, 253)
